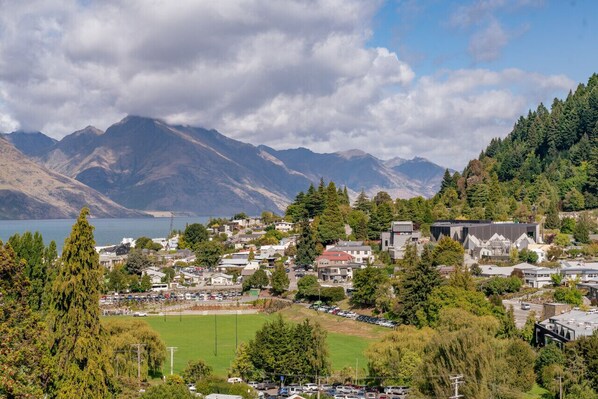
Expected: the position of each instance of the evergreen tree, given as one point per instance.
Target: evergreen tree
(552, 217)
(146, 283)
(362, 202)
(581, 233)
(280, 280)
(447, 182)
(79, 343)
(306, 246)
(332, 226)
(24, 363)
(418, 280)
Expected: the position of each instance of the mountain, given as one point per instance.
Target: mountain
(144, 163)
(30, 143)
(30, 191)
(418, 169)
(355, 169)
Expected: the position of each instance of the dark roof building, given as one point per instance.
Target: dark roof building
(458, 230)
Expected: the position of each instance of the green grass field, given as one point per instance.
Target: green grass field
(196, 338)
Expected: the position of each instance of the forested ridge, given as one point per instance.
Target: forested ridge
(549, 158)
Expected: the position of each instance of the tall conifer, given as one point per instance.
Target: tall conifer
(79, 342)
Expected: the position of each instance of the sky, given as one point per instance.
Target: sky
(436, 79)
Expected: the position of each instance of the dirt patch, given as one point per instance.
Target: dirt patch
(334, 324)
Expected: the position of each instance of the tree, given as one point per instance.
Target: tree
(448, 252)
(280, 281)
(26, 368)
(117, 279)
(552, 217)
(362, 202)
(332, 226)
(147, 243)
(146, 283)
(306, 245)
(418, 280)
(365, 285)
(83, 360)
(567, 225)
(307, 286)
(581, 233)
(562, 240)
(195, 371)
(168, 391)
(242, 366)
(195, 234)
(208, 254)
(137, 262)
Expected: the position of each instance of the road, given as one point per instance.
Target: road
(520, 314)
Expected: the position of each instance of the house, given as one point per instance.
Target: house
(585, 272)
(483, 230)
(565, 327)
(496, 247)
(360, 253)
(284, 226)
(336, 266)
(496, 271)
(333, 258)
(396, 240)
(536, 276)
(221, 279)
(155, 275)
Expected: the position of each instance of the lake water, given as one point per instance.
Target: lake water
(106, 232)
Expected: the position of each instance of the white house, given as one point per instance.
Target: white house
(283, 226)
(221, 279)
(361, 253)
(493, 271)
(536, 276)
(586, 272)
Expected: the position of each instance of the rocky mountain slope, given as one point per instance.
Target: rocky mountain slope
(144, 163)
(30, 191)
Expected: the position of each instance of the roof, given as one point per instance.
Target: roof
(493, 270)
(335, 255)
(583, 323)
(350, 248)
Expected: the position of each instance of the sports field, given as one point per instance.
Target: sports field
(214, 338)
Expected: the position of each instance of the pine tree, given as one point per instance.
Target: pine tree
(362, 202)
(306, 246)
(280, 280)
(552, 217)
(79, 343)
(417, 282)
(332, 226)
(447, 182)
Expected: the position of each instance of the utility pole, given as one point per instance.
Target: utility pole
(138, 346)
(215, 336)
(456, 381)
(172, 349)
(560, 378)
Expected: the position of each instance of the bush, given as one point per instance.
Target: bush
(501, 285)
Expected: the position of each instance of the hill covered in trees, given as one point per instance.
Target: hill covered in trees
(550, 159)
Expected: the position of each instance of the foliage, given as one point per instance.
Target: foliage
(208, 253)
(83, 361)
(549, 355)
(567, 225)
(307, 286)
(259, 279)
(570, 295)
(168, 391)
(332, 226)
(147, 243)
(448, 252)
(117, 279)
(365, 285)
(137, 262)
(501, 285)
(123, 334)
(304, 346)
(279, 281)
(528, 256)
(196, 371)
(397, 357)
(306, 245)
(194, 234)
(417, 281)
(24, 363)
(241, 365)
(562, 240)
(218, 385)
(448, 296)
(581, 232)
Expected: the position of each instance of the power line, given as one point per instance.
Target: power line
(138, 346)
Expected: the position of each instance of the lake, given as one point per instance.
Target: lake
(106, 232)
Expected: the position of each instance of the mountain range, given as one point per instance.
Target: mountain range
(146, 164)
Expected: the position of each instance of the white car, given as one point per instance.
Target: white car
(139, 314)
(311, 387)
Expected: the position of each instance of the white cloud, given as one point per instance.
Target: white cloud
(285, 73)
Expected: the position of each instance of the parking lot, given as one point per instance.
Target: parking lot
(335, 310)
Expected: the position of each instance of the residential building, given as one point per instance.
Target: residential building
(396, 240)
(284, 226)
(361, 253)
(337, 266)
(483, 230)
(496, 271)
(565, 327)
(536, 276)
(585, 272)
(221, 279)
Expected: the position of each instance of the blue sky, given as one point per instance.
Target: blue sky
(437, 79)
(548, 37)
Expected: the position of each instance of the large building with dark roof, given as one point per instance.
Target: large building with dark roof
(483, 230)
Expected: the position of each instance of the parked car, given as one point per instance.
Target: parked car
(525, 306)
(234, 380)
(310, 387)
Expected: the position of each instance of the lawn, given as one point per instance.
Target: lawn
(195, 338)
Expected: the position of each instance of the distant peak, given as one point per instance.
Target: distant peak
(89, 130)
(354, 153)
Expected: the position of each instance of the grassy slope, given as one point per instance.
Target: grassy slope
(194, 337)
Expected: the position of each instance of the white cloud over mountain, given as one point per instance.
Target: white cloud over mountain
(281, 73)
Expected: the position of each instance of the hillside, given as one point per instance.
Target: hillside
(30, 191)
(550, 158)
(146, 164)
